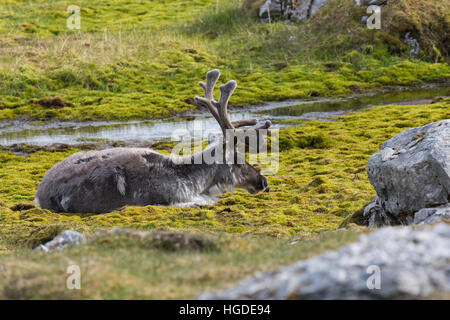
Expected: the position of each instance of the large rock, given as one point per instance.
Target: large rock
(410, 172)
(412, 263)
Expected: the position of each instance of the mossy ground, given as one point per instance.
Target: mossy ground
(321, 180)
(139, 59)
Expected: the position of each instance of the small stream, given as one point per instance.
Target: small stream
(38, 133)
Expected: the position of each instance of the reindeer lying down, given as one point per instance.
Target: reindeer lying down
(102, 181)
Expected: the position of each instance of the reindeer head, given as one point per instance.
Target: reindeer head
(244, 175)
(249, 178)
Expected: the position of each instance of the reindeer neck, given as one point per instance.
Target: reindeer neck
(201, 177)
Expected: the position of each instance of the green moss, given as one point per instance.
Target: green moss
(318, 181)
(41, 234)
(300, 139)
(314, 190)
(162, 240)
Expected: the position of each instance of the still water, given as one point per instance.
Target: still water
(37, 133)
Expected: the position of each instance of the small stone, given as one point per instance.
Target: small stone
(432, 215)
(66, 239)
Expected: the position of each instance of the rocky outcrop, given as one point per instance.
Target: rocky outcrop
(293, 10)
(299, 10)
(306, 9)
(423, 31)
(391, 263)
(411, 172)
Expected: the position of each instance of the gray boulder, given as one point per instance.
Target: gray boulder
(411, 264)
(410, 172)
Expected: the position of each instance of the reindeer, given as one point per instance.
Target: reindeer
(102, 181)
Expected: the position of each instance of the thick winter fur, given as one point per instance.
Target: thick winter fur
(101, 181)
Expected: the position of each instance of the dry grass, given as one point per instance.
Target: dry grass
(122, 269)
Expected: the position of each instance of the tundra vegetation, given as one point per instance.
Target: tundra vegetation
(138, 60)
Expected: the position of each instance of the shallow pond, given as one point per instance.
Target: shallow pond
(37, 133)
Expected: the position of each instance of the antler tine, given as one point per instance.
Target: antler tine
(265, 125)
(244, 123)
(211, 79)
(259, 138)
(208, 88)
(226, 90)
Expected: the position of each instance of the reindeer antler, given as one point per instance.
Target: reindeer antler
(208, 87)
(219, 109)
(226, 90)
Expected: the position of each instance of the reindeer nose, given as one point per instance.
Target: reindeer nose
(267, 189)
